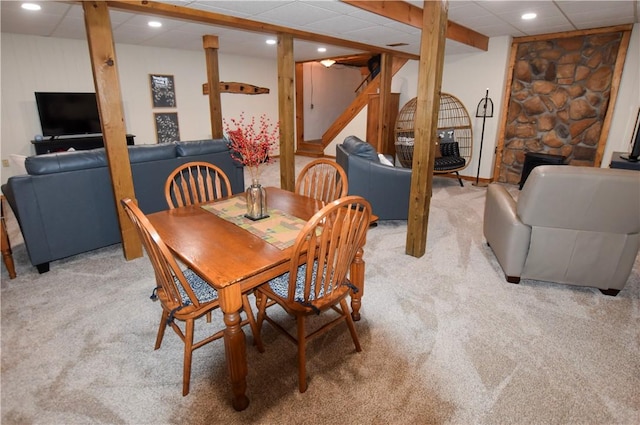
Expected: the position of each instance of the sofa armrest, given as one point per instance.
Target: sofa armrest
(21, 196)
(505, 233)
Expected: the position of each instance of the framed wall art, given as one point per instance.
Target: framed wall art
(163, 91)
(167, 129)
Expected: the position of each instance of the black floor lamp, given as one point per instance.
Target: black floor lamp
(484, 110)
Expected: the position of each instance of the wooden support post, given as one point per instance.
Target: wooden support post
(108, 93)
(286, 69)
(299, 92)
(386, 74)
(432, 44)
(210, 44)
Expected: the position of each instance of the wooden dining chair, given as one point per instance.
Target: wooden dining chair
(317, 278)
(194, 183)
(183, 295)
(322, 179)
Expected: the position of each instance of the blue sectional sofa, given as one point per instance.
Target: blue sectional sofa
(385, 187)
(65, 204)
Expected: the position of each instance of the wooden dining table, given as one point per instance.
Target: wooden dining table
(235, 260)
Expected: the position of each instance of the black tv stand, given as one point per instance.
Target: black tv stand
(57, 144)
(619, 160)
(629, 158)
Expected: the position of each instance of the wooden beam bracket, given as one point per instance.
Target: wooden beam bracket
(237, 88)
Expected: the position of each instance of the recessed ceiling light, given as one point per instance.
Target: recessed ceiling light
(155, 24)
(322, 49)
(271, 41)
(30, 6)
(528, 16)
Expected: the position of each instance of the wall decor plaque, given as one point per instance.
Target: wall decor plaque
(167, 129)
(163, 91)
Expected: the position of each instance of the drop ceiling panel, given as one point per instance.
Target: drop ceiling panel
(296, 15)
(571, 7)
(372, 18)
(339, 25)
(522, 6)
(333, 18)
(71, 27)
(334, 6)
(499, 28)
(238, 8)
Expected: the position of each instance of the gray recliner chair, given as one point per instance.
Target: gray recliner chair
(572, 225)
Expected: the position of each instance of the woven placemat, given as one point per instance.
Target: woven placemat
(279, 229)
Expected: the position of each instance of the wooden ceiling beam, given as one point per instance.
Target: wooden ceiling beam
(412, 15)
(195, 15)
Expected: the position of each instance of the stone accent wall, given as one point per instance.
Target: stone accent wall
(559, 97)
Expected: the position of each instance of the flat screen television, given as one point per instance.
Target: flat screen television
(67, 114)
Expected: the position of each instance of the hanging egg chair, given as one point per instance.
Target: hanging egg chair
(455, 138)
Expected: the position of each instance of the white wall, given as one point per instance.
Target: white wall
(628, 102)
(357, 127)
(330, 91)
(468, 77)
(31, 63)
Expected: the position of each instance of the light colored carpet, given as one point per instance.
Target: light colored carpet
(446, 340)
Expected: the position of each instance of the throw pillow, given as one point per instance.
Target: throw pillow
(384, 160)
(17, 163)
(445, 135)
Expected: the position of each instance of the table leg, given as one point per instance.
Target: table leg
(234, 344)
(357, 279)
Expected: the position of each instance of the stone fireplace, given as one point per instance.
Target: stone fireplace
(559, 98)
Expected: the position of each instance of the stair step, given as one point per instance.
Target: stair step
(311, 148)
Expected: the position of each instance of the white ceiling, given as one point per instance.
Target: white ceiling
(489, 17)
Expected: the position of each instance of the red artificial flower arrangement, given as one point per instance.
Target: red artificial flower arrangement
(249, 145)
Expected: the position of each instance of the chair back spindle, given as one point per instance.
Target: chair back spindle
(194, 183)
(322, 179)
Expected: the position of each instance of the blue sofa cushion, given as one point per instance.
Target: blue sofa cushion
(146, 153)
(355, 146)
(65, 161)
(201, 147)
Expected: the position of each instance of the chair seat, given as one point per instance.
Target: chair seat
(280, 285)
(203, 291)
(447, 163)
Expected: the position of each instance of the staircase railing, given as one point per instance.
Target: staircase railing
(357, 104)
(366, 80)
